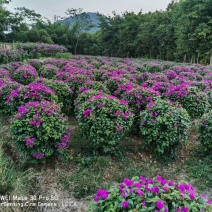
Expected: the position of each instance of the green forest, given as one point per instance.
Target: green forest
(181, 33)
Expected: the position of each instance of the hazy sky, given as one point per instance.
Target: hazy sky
(49, 8)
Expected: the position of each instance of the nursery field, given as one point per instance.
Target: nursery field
(104, 134)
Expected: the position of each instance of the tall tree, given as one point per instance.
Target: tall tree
(82, 24)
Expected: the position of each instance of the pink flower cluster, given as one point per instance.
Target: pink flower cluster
(64, 139)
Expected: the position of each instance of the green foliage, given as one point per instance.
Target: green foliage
(66, 56)
(112, 83)
(205, 131)
(37, 64)
(34, 36)
(63, 92)
(138, 99)
(104, 120)
(85, 96)
(164, 128)
(194, 101)
(151, 68)
(40, 130)
(75, 81)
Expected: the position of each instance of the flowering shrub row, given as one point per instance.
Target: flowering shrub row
(12, 55)
(22, 51)
(136, 83)
(36, 50)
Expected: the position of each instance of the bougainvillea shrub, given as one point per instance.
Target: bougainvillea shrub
(138, 99)
(48, 71)
(205, 131)
(63, 92)
(113, 82)
(95, 85)
(104, 119)
(25, 74)
(37, 50)
(40, 130)
(73, 80)
(164, 128)
(85, 96)
(4, 73)
(15, 65)
(31, 92)
(193, 100)
(146, 194)
(37, 64)
(6, 86)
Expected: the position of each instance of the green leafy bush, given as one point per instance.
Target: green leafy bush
(25, 74)
(37, 64)
(63, 92)
(193, 100)
(205, 131)
(66, 56)
(40, 130)
(85, 96)
(104, 119)
(95, 85)
(153, 68)
(146, 194)
(75, 81)
(113, 82)
(48, 71)
(138, 99)
(164, 128)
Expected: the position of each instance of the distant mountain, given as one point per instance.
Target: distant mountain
(93, 17)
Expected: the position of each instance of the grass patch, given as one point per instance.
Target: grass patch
(199, 169)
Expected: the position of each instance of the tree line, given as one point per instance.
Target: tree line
(182, 32)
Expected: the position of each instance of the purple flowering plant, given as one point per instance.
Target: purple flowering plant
(31, 92)
(25, 74)
(146, 194)
(95, 85)
(48, 71)
(63, 92)
(4, 73)
(164, 127)
(193, 100)
(104, 119)
(40, 130)
(138, 99)
(6, 86)
(37, 50)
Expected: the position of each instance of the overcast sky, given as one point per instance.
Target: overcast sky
(49, 8)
